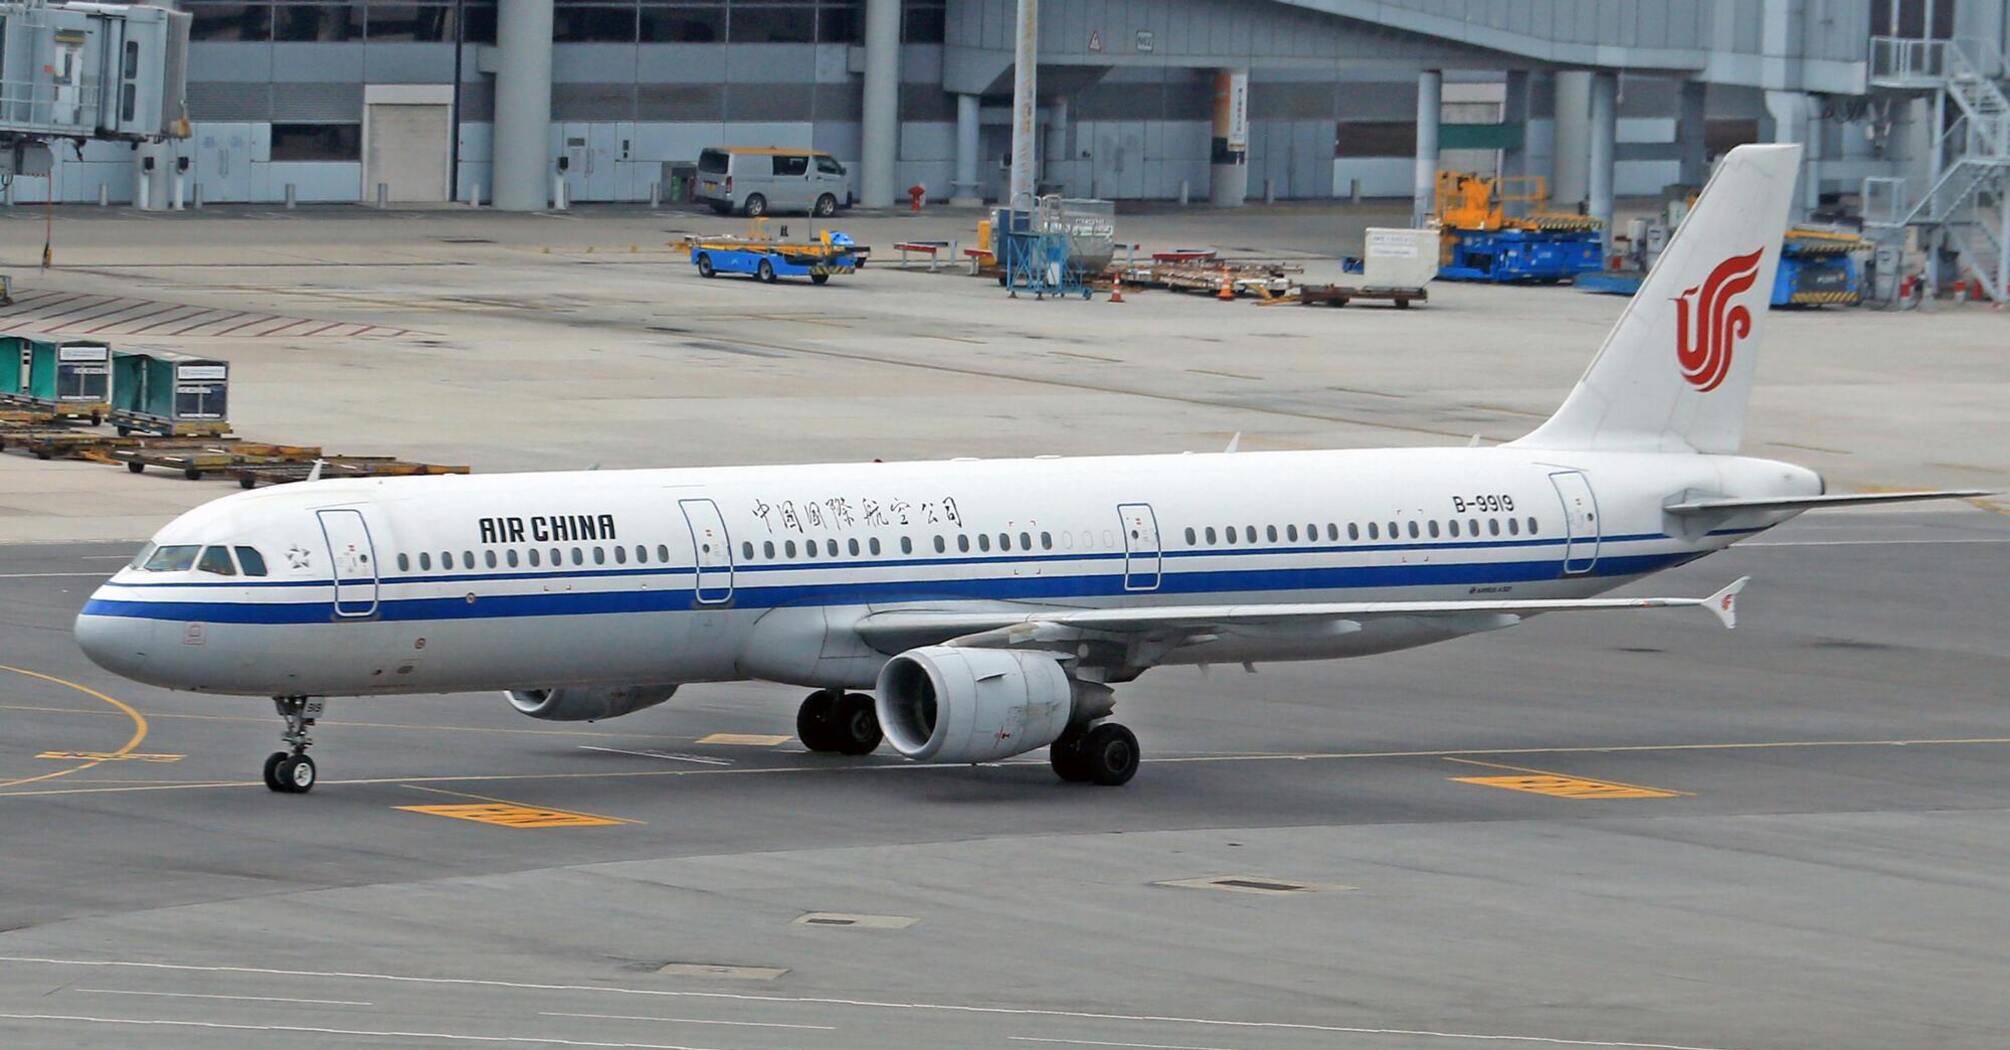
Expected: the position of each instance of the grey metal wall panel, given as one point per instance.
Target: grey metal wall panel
(308, 102)
(926, 102)
(766, 102)
(839, 102)
(594, 63)
(680, 63)
(317, 63)
(770, 63)
(228, 100)
(1120, 102)
(478, 101)
(1291, 101)
(698, 102)
(229, 61)
(408, 63)
(593, 102)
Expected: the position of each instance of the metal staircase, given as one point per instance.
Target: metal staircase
(1966, 208)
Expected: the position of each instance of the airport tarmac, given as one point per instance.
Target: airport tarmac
(1626, 831)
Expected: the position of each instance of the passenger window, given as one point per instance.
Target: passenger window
(963, 542)
(217, 560)
(557, 557)
(1433, 523)
(490, 558)
(1514, 527)
(1333, 531)
(1453, 525)
(1373, 532)
(178, 558)
(1047, 539)
(1004, 541)
(510, 557)
(425, 561)
(940, 547)
(852, 545)
(642, 553)
(252, 561)
(534, 560)
(1229, 533)
(767, 550)
(1353, 531)
(404, 563)
(599, 555)
(1210, 534)
(747, 549)
(906, 545)
(1413, 530)
(1531, 526)
(663, 553)
(789, 548)
(872, 545)
(1493, 526)
(1025, 542)
(1270, 533)
(1250, 532)
(620, 555)
(1394, 532)
(983, 541)
(1291, 533)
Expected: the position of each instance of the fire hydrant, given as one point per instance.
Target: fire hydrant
(915, 193)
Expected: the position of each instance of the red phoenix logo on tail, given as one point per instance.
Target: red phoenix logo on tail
(1718, 324)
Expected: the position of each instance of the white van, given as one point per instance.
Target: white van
(756, 180)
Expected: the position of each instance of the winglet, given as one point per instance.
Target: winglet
(1233, 443)
(1724, 603)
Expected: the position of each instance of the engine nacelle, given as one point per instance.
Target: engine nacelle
(587, 703)
(950, 704)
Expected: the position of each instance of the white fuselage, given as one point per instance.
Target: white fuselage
(511, 581)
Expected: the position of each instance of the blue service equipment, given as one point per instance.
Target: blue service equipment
(1817, 275)
(1513, 255)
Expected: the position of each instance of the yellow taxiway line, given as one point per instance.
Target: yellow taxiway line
(99, 758)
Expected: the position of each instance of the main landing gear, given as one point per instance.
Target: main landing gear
(292, 772)
(836, 721)
(1106, 754)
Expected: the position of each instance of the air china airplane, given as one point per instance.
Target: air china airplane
(989, 606)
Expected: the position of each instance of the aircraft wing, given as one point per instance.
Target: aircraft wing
(900, 629)
(1853, 499)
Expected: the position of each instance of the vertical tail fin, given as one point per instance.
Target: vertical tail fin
(1675, 373)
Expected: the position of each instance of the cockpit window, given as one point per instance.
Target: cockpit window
(252, 561)
(216, 560)
(177, 558)
(140, 560)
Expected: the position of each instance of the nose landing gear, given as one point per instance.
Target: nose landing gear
(292, 772)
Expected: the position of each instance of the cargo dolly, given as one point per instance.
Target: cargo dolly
(831, 253)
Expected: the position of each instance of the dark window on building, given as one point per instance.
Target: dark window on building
(683, 25)
(478, 23)
(1375, 138)
(318, 22)
(839, 23)
(772, 25)
(227, 22)
(411, 23)
(592, 24)
(317, 142)
(923, 22)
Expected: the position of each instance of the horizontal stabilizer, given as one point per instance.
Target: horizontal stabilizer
(1854, 499)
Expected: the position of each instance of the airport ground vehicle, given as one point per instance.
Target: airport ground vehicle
(831, 253)
(759, 180)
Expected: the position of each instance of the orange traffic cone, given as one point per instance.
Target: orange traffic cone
(1117, 289)
(1227, 293)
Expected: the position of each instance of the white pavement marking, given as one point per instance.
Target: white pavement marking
(694, 1020)
(448, 1036)
(868, 1004)
(236, 998)
(1406, 1033)
(1099, 1042)
(37, 575)
(671, 755)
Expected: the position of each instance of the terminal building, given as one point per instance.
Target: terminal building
(1210, 100)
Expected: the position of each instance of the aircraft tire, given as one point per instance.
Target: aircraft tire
(272, 762)
(855, 729)
(1065, 755)
(1110, 754)
(815, 722)
(296, 774)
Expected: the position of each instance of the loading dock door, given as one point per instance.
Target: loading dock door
(407, 151)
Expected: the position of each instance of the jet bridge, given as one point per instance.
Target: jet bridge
(82, 71)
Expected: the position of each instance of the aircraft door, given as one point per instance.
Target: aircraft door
(354, 561)
(1580, 521)
(712, 551)
(1141, 546)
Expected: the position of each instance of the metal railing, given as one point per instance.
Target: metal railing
(27, 105)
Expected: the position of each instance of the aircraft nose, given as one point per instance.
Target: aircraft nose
(118, 644)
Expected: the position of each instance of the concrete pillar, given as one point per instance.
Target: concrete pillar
(1430, 111)
(1025, 81)
(150, 188)
(1056, 152)
(1228, 182)
(1572, 156)
(1515, 111)
(879, 123)
(1692, 152)
(522, 161)
(1792, 116)
(964, 192)
(1604, 130)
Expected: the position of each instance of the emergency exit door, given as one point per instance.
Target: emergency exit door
(1141, 546)
(1580, 521)
(353, 559)
(712, 551)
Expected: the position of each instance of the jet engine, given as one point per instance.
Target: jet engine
(950, 704)
(587, 703)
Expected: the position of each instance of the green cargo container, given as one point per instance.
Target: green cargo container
(71, 377)
(164, 392)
